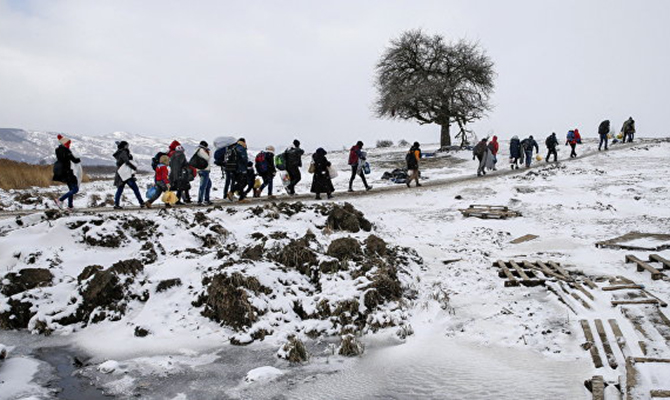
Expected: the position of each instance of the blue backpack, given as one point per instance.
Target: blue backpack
(571, 135)
(220, 156)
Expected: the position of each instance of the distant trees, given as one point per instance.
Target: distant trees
(424, 78)
(384, 143)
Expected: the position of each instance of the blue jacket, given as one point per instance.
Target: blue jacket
(242, 158)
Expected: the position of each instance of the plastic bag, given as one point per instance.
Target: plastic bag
(125, 172)
(366, 168)
(332, 172)
(151, 191)
(78, 172)
(312, 168)
(257, 183)
(169, 197)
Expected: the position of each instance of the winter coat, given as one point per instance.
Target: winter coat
(413, 157)
(122, 157)
(321, 182)
(179, 171)
(354, 155)
(628, 126)
(173, 148)
(242, 157)
(528, 144)
(206, 155)
(604, 127)
(162, 174)
(551, 141)
(480, 150)
(293, 156)
(515, 148)
(270, 161)
(494, 146)
(64, 158)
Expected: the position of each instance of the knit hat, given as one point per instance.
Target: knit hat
(296, 143)
(204, 144)
(121, 145)
(64, 141)
(416, 144)
(270, 149)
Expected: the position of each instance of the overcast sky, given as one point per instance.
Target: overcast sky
(275, 70)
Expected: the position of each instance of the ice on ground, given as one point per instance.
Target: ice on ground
(17, 379)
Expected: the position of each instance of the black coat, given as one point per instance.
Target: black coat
(551, 142)
(321, 182)
(294, 157)
(604, 127)
(122, 156)
(63, 167)
(515, 148)
(179, 171)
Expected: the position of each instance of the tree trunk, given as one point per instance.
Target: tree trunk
(445, 136)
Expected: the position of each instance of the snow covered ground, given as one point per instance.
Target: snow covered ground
(457, 332)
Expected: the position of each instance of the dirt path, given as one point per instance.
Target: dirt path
(350, 195)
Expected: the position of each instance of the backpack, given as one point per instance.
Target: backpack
(156, 160)
(410, 159)
(571, 136)
(197, 162)
(231, 159)
(280, 162)
(578, 137)
(261, 163)
(525, 144)
(220, 157)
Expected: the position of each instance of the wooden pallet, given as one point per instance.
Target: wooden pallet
(488, 212)
(642, 265)
(620, 242)
(531, 273)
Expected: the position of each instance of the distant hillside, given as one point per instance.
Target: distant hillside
(38, 147)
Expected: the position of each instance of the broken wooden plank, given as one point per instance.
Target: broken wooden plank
(511, 280)
(657, 258)
(581, 288)
(651, 360)
(598, 388)
(519, 270)
(545, 270)
(660, 394)
(590, 284)
(641, 266)
(620, 340)
(643, 347)
(580, 300)
(631, 378)
(633, 302)
(524, 238)
(591, 344)
(560, 298)
(622, 287)
(560, 270)
(660, 302)
(611, 360)
(489, 207)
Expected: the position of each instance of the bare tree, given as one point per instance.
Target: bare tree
(424, 78)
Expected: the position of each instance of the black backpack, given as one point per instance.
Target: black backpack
(220, 156)
(156, 160)
(197, 162)
(410, 159)
(231, 159)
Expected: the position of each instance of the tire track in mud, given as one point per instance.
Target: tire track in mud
(426, 185)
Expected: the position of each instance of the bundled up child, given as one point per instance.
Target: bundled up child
(161, 179)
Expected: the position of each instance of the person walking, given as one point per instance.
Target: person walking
(241, 158)
(293, 157)
(161, 179)
(230, 171)
(628, 130)
(321, 182)
(356, 159)
(480, 152)
(603, 131)
(573, 139)
(551, 142)
(63, 172)
(515, 153)
(412, 159)
(494, 146)
(179, 175)
(265, 167)
(527, 145)
(204, 160)
(123, 162)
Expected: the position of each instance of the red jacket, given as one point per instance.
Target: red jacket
(494, 146)
(354, 154)
(162, 174)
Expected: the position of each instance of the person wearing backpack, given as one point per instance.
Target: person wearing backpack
(356, 160)
(293, 156)
(230, 171)
(250, 176)
(265, 167)
(321, 182)
(412, 159)
(161, 179)
(571, 139)
(179, 175)
(527, 145)
(603, 131)
(202, 161)
(124, 158)
(515, 153)
(551, 142)
(240, 157)
(480, 152)
(63, 172)
(628, 130)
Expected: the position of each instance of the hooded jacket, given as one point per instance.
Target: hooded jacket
(122, 157)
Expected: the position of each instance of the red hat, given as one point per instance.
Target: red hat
(64, 141)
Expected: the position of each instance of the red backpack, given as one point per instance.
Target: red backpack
(261, 163)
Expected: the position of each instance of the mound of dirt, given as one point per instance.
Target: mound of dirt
(227, 300)
(345, 249)
(347, 218)
(18, 316)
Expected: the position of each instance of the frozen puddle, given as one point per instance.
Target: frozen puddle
(446, 368)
